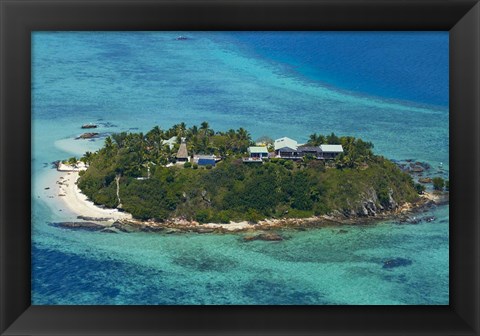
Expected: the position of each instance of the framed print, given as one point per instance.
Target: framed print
(239, 168)
(153, 161)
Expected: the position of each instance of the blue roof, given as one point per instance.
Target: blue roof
(204, 162)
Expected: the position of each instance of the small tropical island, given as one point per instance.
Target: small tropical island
(215, 181)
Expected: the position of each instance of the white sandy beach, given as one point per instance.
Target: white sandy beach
(67, 192)
(68, 196)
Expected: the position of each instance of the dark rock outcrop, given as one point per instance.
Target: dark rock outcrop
(109, 230)
(150, 228)
(425, 180)
(89, 126)
(266, 236)
(371, 206)
(89, 226)
(424, 165)
(95, 219)
(392, 204)
(204, 230)
(416, 169)
(126, 227)
(171, 230)
(88, 135)
(368, 207)
(415, 220)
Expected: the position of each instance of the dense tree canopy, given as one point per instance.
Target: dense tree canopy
(234, 190)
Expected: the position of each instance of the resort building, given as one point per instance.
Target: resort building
(331, 151)
(182, 154)
(314, 151)
(259, 152)
(285, 142)
(287, 153)
(256, 154)
(170, 142)
(287, 148)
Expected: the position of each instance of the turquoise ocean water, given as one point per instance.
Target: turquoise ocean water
(388, 88)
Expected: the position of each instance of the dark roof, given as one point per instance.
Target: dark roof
(309, 149)
(286, 149)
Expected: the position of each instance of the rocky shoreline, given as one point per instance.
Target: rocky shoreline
(91, 217)
(268, 229)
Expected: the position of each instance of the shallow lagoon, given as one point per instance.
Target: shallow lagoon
(132, 81)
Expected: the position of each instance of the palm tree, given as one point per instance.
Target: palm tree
(181, 129)
(154, 136)
(332, 139)
(73, 162)
(109, 143)
(162, 155)
(178, 130)
(193, 130)
(243, 134)
(204, 146)
(87, 158)
(204, 126)
(193, 144)
(243, 139)
(109, 147)
(313, 139)
(154, 139)
(316, 139)
(120, 138)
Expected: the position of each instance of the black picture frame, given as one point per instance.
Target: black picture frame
(20, 17)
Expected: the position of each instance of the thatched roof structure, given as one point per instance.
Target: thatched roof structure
(182, 151)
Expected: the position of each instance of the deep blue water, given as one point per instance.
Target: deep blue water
(388, 88)
(397, 65)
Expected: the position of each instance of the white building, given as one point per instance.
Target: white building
(285, 142)
(170, 142)
(258, 152)
(330, 151)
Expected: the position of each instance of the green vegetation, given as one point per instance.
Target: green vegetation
(420, 188)
(438, 183)
(71, 161)
(233, 190)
